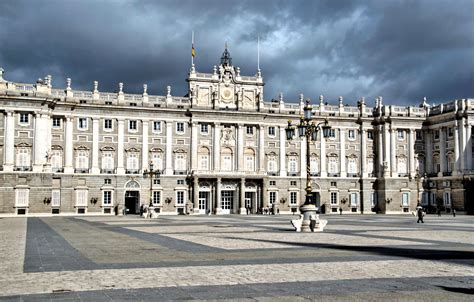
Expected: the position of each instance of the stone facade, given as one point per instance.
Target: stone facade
(222, 149)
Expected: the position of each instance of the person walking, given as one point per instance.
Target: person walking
(439, 212)
(420, 215)
(340, 211)
(454, 212)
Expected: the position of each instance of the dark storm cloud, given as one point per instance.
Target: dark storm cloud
(402, 50)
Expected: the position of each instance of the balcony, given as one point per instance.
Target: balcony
(83, 171)
(273, 173)
(333, 174)
(180, 172)
(23, 168)
(132, 171)
(57, 170)
(293, 173)
(402, 174)
(352, 174)
(107, 171)
(315, 174)
(447, 173)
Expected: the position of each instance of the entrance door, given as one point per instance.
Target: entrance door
(132, 200)
(203, 202)
(227, 200)
(249, 200)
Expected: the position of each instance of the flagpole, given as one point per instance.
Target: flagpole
(192, 45)
(258, 52)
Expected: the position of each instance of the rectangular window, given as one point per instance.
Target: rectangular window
(108, 103)
(249, 130)
(351, 134)
(180, 197)
(293, 198)
(107, 198)
(81, 198)
(272, 183)
(132, 125)
(450, 132)
(82, 102)
(293, 183)
(353, 197)
(334, 200)
(332, 133)
(204, 128)
(447, 199)
(55, 198)
(272, 197)
(22, 196)
(24, 118)
(180, 182)
(292, 165)
(418, 135)
(156, 197)
(157, 126)
(180, 127)
(107, 181)
(56, 122)
(405, 199)
(436, 134)
(370, 134)
(373, 199)
(82, 123)
(133, 104)
(401, 135)
(156, 181)
(271, 131)
(108, 124)
(333, 184)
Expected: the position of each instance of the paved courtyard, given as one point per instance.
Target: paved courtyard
(367, 258)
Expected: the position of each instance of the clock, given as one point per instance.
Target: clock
(226, 94)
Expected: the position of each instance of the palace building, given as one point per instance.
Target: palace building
(223, 149)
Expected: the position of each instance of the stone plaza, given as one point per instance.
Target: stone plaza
(235, 257)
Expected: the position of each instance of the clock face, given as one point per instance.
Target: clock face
(226, 94)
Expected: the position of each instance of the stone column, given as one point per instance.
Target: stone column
(303, 163)
(194, 146)
(243, 210)
(411, 152)
(68, 150)
(240, 148)
(9, 142)
(261, 149)
(282, 151)
(95, 146)
(169, 148)
(217, 148)
(380, 152)
(42, 140)
(342, 140)
(442, 151)
(392, 153)
(265, 193)
(120, 145)
(363, 152)
(456, 149)
(469, 146)
(322, 166)
(462, 144)
(428, 151)
(196, 194)
(145, 161)
(218, 196)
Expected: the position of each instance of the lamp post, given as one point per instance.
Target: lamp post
(308, 129)
(417, 179)
(152, 174)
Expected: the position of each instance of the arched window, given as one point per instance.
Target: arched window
(272, 166)
(180, 161)
(293, 164)
(57, 159)
(156, 158)
(370, 165)
(451, 162)
(420, 164)
(352, 167)
(82, 159)
(203, 159)
(333, 166)
(132, 161)
(436, 163)
(226, 159)
(249, 156)
(23, 157)
(107, 160)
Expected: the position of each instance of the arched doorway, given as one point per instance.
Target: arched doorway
(132, 197)
(316, 197)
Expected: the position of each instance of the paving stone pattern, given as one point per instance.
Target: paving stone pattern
(367, 258)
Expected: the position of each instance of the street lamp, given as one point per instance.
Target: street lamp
(308, 129)
(152, 174)
(417, 179)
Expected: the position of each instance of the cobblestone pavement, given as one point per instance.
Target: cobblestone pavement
(367, 258)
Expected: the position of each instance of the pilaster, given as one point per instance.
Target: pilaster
(303, 162)
(9, 142)
(427, 136)
(169, 148)
(342, 140)
(469, 146)
(120, 145)
(363, 153)
(282, 151)
(442, 151)
(243, 210)
(411, 152)
(217, 147)
(322, 152)
(218, 196)
(145, 149)
(42, 140)
(194, 146)
(456, 149)
(240, 148)
(68, 150)
(95, 146)
(392, 153)
(261, 149)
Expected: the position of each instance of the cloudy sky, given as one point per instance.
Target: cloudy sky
(401, 50)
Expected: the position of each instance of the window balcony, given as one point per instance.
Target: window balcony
(333, 174)
(23, 168)
(180, 172)
(402, 174)
(132, 171)
(315, 174)
(293, 173)
(57, 170)
(352, 174)
(273, 173)
(432, 174)
(107, 171)
(83, 171)
(447, 173)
